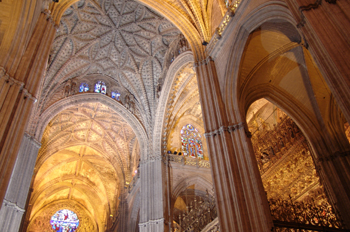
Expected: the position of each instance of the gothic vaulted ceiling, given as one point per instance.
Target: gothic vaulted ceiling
(85, 158)
(119, 39)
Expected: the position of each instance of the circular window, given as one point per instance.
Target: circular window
(64, 221)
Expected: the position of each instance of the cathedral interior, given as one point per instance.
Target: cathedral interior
(174, 115)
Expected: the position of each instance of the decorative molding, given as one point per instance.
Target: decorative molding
(150, 159)
(221, 28)
(199, 163)
(152, 222)
(36, 143)
(28, 95)
(50, 18)
(7, 203)
(222, 129)
(311, 7)
(9, 79)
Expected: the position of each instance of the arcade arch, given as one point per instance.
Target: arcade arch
(86, 159)
(275, 64)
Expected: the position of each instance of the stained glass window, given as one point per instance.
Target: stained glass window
(115, 95)
(100, 87)
(64, 220)
(83, 87)
(191, 142)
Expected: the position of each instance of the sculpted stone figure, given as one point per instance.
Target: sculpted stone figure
(73, 87)
(127, 101)
(67, 88)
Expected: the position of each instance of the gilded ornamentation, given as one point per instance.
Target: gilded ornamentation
(304, 213)
(287, 169)
(347, 131)
(221, 28)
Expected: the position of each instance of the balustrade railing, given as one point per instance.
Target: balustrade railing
(200, 163)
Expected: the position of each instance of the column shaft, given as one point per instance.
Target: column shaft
(152, 195)
(241, 200)
(16, 195)
(17, 95)
(326, 28)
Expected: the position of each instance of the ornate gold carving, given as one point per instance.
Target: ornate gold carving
(304, 213)
(221, 28)
(288, 171)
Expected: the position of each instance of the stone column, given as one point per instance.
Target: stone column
(240, 197)
(152, 195)
(13, 205)
(17, 95)
(334, 174)
(326, 27)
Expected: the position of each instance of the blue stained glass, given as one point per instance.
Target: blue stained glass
(191, 142)
(64, 221)
(100, 87)
(115, 95)
(83, 87)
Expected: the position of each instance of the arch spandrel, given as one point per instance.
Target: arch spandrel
(179, 63)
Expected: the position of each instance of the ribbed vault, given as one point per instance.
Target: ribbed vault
(85, 159)
(122, 40)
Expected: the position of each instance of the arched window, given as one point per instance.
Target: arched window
(64, 220)
(115, 95)
(84, 87)
(100, 87)
(191, 142)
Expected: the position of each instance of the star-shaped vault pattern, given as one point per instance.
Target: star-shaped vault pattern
(119, 39)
